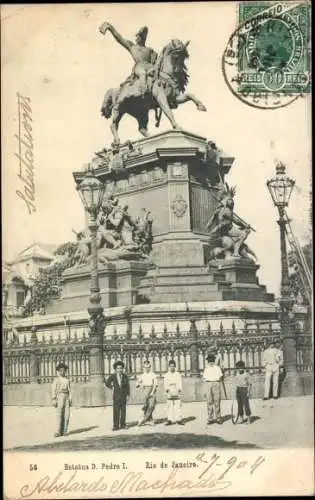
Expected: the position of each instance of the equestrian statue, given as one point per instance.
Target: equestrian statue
(157, 82)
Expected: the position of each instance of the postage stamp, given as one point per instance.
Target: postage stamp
(267, 59)
(275, 54)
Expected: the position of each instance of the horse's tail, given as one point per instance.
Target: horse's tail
(107, 106)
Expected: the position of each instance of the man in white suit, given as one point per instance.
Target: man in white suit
(272, 362)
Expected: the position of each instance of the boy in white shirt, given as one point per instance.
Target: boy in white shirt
(243, 385)
(174, 390)
(62, 399)
(212, 375)
(148, 382)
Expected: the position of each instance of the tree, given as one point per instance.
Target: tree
(47, 284)
(295, 282)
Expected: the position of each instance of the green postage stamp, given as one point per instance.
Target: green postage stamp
(274, 47)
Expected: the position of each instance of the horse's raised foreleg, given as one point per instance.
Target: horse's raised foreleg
(190, 97)
(107, 105)
(161, 99)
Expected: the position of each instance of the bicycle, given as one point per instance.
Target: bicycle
(234, 412)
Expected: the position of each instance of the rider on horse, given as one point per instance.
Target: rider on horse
(155, 83)
(144, 56)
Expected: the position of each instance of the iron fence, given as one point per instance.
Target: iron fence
(36, 360)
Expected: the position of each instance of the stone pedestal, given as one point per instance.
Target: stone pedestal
(118, 281)
(234, 279)
(174, 176)
(240, 274)
(177, 176)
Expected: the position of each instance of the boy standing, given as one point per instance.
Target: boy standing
(212, 375)
(148, 382)
(174, 390)
(119, 383)
(62, 399)
(243, 385)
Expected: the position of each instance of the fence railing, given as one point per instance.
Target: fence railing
(35, 361)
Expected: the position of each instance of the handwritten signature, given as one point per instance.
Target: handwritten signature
(25, 154)
(135, 482)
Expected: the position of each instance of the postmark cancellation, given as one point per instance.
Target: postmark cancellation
(268, 55)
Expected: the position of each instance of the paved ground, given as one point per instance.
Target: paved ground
(279, 423)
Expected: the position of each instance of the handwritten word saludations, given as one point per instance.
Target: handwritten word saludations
(25, 153)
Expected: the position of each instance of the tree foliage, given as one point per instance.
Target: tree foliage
(296, 285)
(47, 284)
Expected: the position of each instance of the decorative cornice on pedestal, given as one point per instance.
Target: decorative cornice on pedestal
(173, 134)
(143, 159)
(177, 152)
(152, 311)
(172, 143)
(233, 263)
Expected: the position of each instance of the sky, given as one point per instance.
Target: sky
(55, 55)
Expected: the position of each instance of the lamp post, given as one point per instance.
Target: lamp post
(91, 191)
(280, 188)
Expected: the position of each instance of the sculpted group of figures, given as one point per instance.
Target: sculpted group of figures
(119, 235)
(147, 382)
(227, 232)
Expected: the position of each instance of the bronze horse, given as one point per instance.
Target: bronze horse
(165, 90)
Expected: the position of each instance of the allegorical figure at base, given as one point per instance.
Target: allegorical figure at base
(119, 235)
(227, 231)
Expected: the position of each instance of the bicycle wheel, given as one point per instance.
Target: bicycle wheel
(234, 412)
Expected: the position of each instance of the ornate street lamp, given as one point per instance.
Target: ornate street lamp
(280, 188)
(91, 191)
